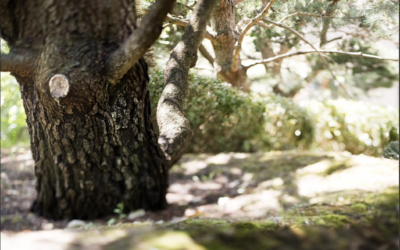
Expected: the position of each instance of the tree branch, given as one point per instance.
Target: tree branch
(303, 52)
(238, 46)
(327, 22)
(289, 16)
(316, 49)
(174, 128)
(136, 45)
(204, 52)
(183, 23)
(18, 63)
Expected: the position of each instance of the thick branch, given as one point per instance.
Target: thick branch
(238, 46)
(204, 52)
(121, 60)
(174, 128)
(303, 52)
(17, 63)
(183, 23)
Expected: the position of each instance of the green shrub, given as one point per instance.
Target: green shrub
(222, 118)
(287, 125)
(225, 119)
(13, 125)
(354, 126)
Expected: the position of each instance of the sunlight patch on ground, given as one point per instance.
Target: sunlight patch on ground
(55, 240)
(367, 173)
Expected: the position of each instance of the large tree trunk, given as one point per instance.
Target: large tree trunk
(92, 141)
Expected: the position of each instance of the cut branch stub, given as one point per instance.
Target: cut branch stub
(59, 86)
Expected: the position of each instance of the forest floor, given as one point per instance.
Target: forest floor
(275, 200)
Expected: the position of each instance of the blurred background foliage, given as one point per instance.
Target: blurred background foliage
(13, 126)
(224, 119)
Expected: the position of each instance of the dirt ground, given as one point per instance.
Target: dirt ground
(285, 188)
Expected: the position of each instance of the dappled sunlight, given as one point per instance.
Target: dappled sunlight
(287, 190)
(54, 239)
(219, 159)
(256, 185)
(195, 166)
(237, 186)
(169, 241)
(367, 173)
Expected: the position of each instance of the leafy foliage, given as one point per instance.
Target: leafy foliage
(362, 73)
(287, 125)
(353, 126)
(224, 119)
(13, 125)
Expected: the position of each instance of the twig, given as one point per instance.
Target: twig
(316, 49)
(200, 68)
(238, 46)
(184, 23)
(303, 52)
(289, 16)
(206, 54)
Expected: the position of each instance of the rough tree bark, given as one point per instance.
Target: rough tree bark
(174, 128)
(84, 88)
(224, 40)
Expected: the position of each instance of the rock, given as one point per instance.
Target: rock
(73, 224)
(136, 214)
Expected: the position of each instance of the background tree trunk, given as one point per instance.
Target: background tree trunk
(94, 147)
(224, 26)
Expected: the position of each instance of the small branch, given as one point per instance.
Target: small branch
(250, 56)
(206, 54)
(317, 50)
(238, 47)
(184, 23)
(136, 45)
(289, 16)
(334, 39)
(200, 68)
(174, 128)
(177, 21)
(22, 63)
(303, 52)
(302, 14)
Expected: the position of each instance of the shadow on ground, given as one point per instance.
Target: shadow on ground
(276, 200)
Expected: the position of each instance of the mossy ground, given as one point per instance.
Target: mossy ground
(277, 200)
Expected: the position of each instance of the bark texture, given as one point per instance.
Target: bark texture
(174, 128)
(94, 147)
(224, 27)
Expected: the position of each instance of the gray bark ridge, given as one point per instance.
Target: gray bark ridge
(175, 131)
